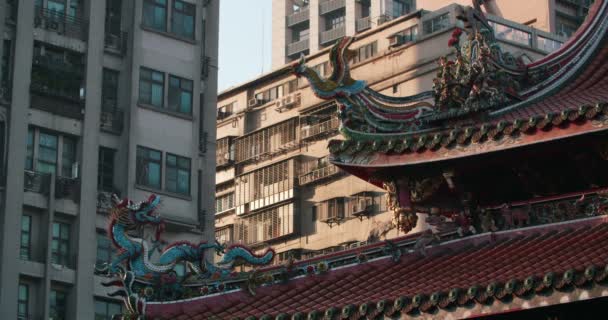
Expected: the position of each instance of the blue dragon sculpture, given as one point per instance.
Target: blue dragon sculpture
(134, 271)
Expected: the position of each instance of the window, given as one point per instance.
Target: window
(148, 167)
(178, 174)
(58, 304)
(113, 17)
(180, 95)
(224, 202)
(26, 237)
(183, 19)
(56, 6)
(401, 7)
(225, 111)
(265, 225)
(109, 90)
(60, 245)
(23, 302)
(155, 14)
(7, 65)
(47, 153)
(224, 236)
(405, 36)
(104, 248)
(365, 52)
(105, 310)
(505, 32)
(29, 156)
(151, 87)
(74, 9)
(565, 25)
(105, 169)
(68, 158)
(436, 24)
(313, 218)
(334, 21)
(331, 210)
(300, 34)
(266, 141)
(276, 92)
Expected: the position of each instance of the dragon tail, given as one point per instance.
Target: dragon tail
(244, 254)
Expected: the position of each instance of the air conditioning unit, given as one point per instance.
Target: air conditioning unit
(252, 102)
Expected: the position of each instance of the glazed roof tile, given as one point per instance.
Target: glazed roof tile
(485, 260)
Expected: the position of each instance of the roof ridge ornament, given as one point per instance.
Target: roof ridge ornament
(480, 77)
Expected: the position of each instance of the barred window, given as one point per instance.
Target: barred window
(178, 174)
(224, 235)
(224, 151)
(224, 202)
(266, 225)
(267, 141)
(148, 167)
(265, 186)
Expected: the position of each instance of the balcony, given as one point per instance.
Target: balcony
(332, 35)
(363, 24)
(67, 188)
(56, 87)
(116, 43)
(37, 182)
(112, 120)
(319, 174)
(69, 26)
(11, 11)
(298, 17)
(319, 130)
(331, 5)
(297, 47)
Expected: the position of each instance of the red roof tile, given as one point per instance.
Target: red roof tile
(479, 260)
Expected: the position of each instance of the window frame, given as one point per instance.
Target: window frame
(184, 12)
(27, 247)
(56, 308)
(155, 5)
(57, 257)
(182, 88)
(177, 167)
(22, 302)
(138, 168)
(148, 101)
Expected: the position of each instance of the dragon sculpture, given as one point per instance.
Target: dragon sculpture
(140, 278)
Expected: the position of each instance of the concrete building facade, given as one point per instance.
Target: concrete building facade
(98, 97)
(274, 183)
(307, 26)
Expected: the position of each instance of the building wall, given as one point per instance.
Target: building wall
(394, 69)
(83, 207)
(544, 15)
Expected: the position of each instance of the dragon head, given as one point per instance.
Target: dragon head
(134, 214)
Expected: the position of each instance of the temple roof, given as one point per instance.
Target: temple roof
(562, 95)
(489, 270)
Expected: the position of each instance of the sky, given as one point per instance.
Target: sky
(245, 41)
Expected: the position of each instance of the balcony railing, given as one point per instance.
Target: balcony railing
(67, 188)
(320, 129)
(61, 23)
(297, 47)
(363, 24)
(43, 98)
(112, 120)
(319, 174)
(298, 17)
(331, 5)
(37, 182)
(332, 35)
(117, 42)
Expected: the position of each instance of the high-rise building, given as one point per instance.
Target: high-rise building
(98, 97)
(307, 26)
(275, 185)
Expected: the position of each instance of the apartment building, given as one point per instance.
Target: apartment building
(98, 97)
(275, 185)
(308, 26)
